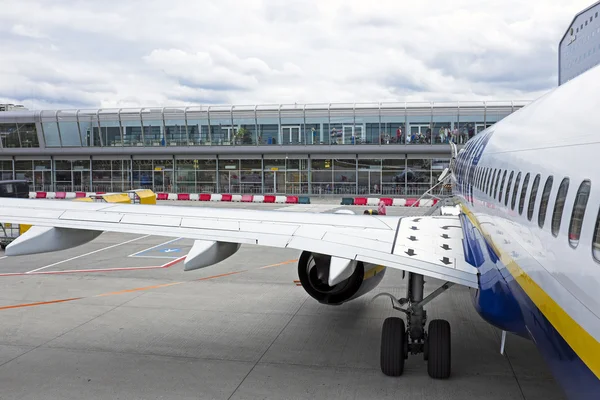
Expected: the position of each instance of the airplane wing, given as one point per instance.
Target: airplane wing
(431, 246)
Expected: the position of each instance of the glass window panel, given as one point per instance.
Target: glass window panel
(110, 130)
(132, 129)
(51, 134)
(268, 134)
(197, 127)
(28, 134)
(88, 128)
(345, 164)
(544, 201)
(69, 133)
(523, 194)
(10, 135)
(583, 194)
(274, 164)
(532, 197)
(255, 164)
(559, 206)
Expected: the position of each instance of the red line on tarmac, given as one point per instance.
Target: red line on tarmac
(77, 271)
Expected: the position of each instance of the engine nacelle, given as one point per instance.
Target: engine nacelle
(313, 271)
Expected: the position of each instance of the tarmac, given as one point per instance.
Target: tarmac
(118, 318)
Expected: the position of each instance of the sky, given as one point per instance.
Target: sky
(116, 54)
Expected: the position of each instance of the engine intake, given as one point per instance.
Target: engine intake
(313, 272)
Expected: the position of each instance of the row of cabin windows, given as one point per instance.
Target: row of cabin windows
(492, 182)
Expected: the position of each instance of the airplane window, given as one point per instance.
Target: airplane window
(513, 201)
(497, 182)
(507, 188)
(559, 206)
(483, 178)
(487, 180)
(524, 193)
(490, 189)
(544, 202)
(501, 186)
(583, 193)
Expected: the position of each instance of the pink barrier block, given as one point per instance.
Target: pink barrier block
(79, 195)
(40, 195)
(98, 193)
(162, 196)
(435, 201)
(61, 195)
(410, 202)
(269, 199)
(183, 196)
(360, 201)
(204, 197)
(292, 200)
(387, 201)
(226, 197)
(247, 198)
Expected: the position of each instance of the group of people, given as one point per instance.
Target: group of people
(444, 135)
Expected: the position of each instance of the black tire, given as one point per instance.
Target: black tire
(438, 349)
(393, 346)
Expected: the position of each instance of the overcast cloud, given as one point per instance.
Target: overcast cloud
(68, 53)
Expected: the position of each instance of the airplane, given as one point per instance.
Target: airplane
(526, 240)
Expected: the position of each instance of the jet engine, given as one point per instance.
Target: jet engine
(313, 271)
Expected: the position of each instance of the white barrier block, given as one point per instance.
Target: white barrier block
(172, 196)
(236, 197)
(258, 198)
(399, 202)
(71, 195)
(50, 195)
(216, 197)
(90, 194)
(426, 203)
(372, 201)
(280, 199)
(194, 196)
(32, 195)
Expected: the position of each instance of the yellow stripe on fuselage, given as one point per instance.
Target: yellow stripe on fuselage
(582, 343)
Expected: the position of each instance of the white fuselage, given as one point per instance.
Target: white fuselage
(554, 136)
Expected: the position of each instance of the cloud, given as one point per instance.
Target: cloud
(152, 53)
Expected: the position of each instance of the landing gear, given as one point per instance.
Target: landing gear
(438, 349)
(394, 346)
(397, 341)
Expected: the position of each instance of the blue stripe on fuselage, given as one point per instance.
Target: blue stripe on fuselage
(502, 302)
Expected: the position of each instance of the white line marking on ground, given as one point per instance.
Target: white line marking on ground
(3, 257)
(169, 258)
(153, 247)
(87, 254)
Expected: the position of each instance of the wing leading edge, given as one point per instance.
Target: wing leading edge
(431, 246)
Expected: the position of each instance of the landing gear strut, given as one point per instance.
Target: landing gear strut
(398, 341)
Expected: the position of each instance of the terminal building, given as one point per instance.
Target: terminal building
(316, 149)
(579, 48)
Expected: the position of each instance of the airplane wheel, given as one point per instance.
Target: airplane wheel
(438, 349)
(393, 346)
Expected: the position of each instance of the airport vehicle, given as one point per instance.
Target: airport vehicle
(526, 240)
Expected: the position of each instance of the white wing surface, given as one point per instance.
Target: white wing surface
(431, 246)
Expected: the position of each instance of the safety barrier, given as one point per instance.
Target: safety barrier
(401, 202)
(251, 198)
(244, 198)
